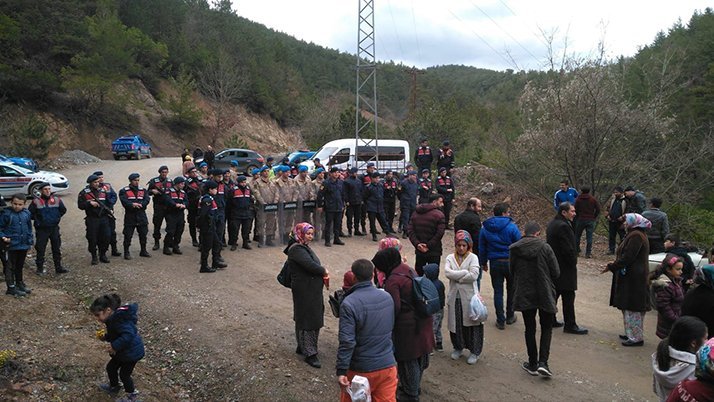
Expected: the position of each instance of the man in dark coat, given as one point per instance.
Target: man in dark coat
(534, 269)
(47, 211)
(423, 156)
(331, 200)
(374, 201)
(425, 230)
(209, 157)
(408, 189)
(354, 194)
(561, 239)
(135, 199)
(469, 220)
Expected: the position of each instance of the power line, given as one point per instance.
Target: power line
(509, 62)
(539, 37)
(396, 32)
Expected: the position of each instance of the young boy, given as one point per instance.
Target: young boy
(431, 271)
(16, 237)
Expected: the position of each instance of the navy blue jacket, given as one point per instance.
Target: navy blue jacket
(123, 334)
(331, 195)
(18, 227)
(497, 234)
(208, 218)
(443, 185)
(240, 201)
(431, 271)
(173, 198)
(47, 212)
(111, 194)
(408, 194)
(374, 197)
(354, 190)
(365, 335)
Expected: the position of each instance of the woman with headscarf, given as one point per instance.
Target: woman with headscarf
(698, 301)
(702, 388)
(385, 243)
(462, 269)
(412, 334)
(307, 280)
(630, 273)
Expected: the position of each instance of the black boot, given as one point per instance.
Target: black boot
(156, 245)
(374, 237)
(103, 258)
(59, 269)
(177, 250)
(21, 287)
(143, 252)
(167, 249)
(195, 242)
(115, 251)
(206, 268)
(219, 264)
(246, 245)
(127, 255)
(95, 260)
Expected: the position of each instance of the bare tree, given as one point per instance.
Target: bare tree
(223, 83)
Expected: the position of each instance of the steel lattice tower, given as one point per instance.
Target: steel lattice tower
(366, 88)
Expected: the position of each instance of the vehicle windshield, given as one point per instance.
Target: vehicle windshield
(324, 153)
(130, 139)
(22, 169)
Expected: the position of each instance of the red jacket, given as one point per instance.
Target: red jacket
(427, 226)
(587, 207)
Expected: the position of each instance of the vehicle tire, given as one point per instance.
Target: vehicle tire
(116, 157)
(250, 169)
(34, 190)
(148, 156)
(138, 155)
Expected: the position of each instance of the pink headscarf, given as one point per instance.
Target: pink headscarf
(637, 221)
(300, 230)
(463, 235)
(390, 242)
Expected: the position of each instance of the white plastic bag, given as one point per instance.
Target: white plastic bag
(477, 308)
(359, 389)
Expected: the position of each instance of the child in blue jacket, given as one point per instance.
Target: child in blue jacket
(127, 347)
(16, 237)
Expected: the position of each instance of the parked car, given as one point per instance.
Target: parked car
(17, 179)
(299, 157)
(27, 163)
(393, 155)
(132, 146)
(697, 259)
(246, 159)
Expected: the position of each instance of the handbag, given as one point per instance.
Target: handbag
(477, 308)
(284, 277)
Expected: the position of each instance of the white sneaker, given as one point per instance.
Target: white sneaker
(456, 354)
(473, 358)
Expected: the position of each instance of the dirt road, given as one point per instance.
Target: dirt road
(229, 335)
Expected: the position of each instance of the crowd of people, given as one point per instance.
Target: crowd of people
(383, 334)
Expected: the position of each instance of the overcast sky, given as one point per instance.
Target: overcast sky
(494, 34)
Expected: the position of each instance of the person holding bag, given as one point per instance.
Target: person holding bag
(535, 269)
(462, 269)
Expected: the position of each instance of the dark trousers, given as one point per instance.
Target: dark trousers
(377, 216)
(239, 225)
(589, 228)
(174, 229)
(390, 206)
(422, 259)
(42, 236)
(142, 230)
(118, 369)
(363, 218)
(409, 373)
(221, 217)
(157, 220)
(210, 243)
(447, 210)
(353, 216)
(406, 214)
(546, 332)
(113, 234)
(500, 272)
(13, 267)
(615, 229)
(333, 225)
(192, 216)
(98, 234)
(568, 297)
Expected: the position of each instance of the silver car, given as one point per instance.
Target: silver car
(16, 179)
(697, 259)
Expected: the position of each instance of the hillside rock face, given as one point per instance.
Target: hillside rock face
(261, 133)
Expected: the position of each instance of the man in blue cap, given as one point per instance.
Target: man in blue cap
(407, 192)
(203, 171)
(47, 210)
(175, 200)
(135, 199)
(93, 201)
(158, 186)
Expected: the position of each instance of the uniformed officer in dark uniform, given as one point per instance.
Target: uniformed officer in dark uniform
(135, 199)
(208, 229)
(354, 195)
(93, 201)
(445, 187)
(47, 211)
(366, 180)
(194, 182)
(175, 200)
(423, 156)
(112, 199)
(220, 199)
(390, 185)
(157, 187)
(407, 191)
(240, 206)
(374, 202)
(446, 157)
(425, 186)
(330, 199)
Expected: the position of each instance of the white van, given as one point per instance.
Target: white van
(393, 155)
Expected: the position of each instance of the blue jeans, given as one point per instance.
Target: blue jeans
(589, 228)
(500, 272)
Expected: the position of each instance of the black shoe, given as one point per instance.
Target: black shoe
(531, 369)
(338, 242)
(500, 325)
(358, 233)
(113, 391)
(156, 245)
(623, 337)
(588, 256)
(167, 251)
(104, 259)
(511, 320)
(632, 343)
(234, 247)
(439, 347)
(377, 232)
(374, 237)
(127, 255)
(14, 291)
(207, 269)
(313, 361)
(558, 324)
(144, 253)
(576, 330)
(349, 233)
(219, 265)
(270, 243)
(247, 246)
(95, 260)
(61, 270)
(22, 288)
(116, 253)
(298, 350)
(195, 243)
(40, 271)
(544, 370)
(328, 244)
(177, 251)
(342, 234)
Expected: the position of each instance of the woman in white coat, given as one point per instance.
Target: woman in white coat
(462, 269)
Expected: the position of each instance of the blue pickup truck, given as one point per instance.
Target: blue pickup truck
(131, 146)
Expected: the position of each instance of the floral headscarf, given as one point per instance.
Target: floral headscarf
(637, 221)
(299, 232)
(390, 242)
(705, 361)
(705, 276)
(463, 235)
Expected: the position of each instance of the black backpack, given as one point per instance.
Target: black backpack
(284, 277)
(425, 297)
